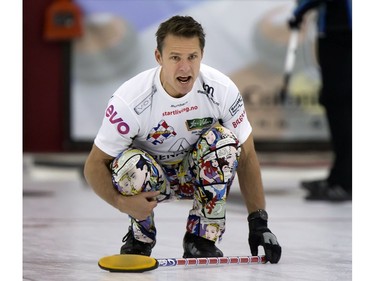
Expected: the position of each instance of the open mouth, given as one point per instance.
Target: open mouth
(184, 79)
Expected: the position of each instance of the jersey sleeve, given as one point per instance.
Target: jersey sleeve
(234, 114)
(118, 129)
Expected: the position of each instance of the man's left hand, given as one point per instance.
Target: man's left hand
(261, 235)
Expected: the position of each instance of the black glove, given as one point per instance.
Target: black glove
(260, 235)
(295, 22)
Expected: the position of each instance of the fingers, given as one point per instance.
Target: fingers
(272, 252)
(254, 250)
(150, 195)
(272, 248)
(139, 206)
(152, 202)
(270, 238)
(254, 242)
(270, 245)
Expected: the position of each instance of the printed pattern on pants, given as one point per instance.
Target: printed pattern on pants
(204, 175)
(215, 158)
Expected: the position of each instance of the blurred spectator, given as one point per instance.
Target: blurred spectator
(334, 54)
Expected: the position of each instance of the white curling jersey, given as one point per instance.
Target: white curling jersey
(142, 114)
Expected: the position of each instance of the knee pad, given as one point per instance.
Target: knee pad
(216, 154)
(135, 171)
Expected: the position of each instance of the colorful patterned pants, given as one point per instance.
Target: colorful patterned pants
(204, 175)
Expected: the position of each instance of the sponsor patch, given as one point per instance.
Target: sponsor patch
(209, 92)
(239, 120)
(199, 123)
(160, 133)
(146, 102)
(236, 106)
(111, 114)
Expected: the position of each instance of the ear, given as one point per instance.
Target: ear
(158, 57)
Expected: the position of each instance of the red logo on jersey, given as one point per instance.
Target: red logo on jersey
(239, 120)
(122, 127)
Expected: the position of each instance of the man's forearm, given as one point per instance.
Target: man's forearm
(249, 178)
(99, 178)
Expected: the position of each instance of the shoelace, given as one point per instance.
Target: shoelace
(127, 236)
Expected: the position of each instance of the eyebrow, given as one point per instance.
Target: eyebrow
(179, 54)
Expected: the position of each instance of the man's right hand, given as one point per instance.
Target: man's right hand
(138, 206)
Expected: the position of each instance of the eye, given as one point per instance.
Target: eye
(193, 57)
(175, 58)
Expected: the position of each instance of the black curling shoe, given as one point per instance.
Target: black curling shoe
(199, 247)
(135, 247)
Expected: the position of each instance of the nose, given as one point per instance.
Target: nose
(184, 65)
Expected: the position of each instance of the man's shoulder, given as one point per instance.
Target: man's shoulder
(212, 75)
(139, 85)
(142, 79)
(209, 70)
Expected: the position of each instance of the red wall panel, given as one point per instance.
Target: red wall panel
(43, 83)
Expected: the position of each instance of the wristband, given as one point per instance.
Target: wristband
(257, 219)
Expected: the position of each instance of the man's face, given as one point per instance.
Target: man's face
(180, 60)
